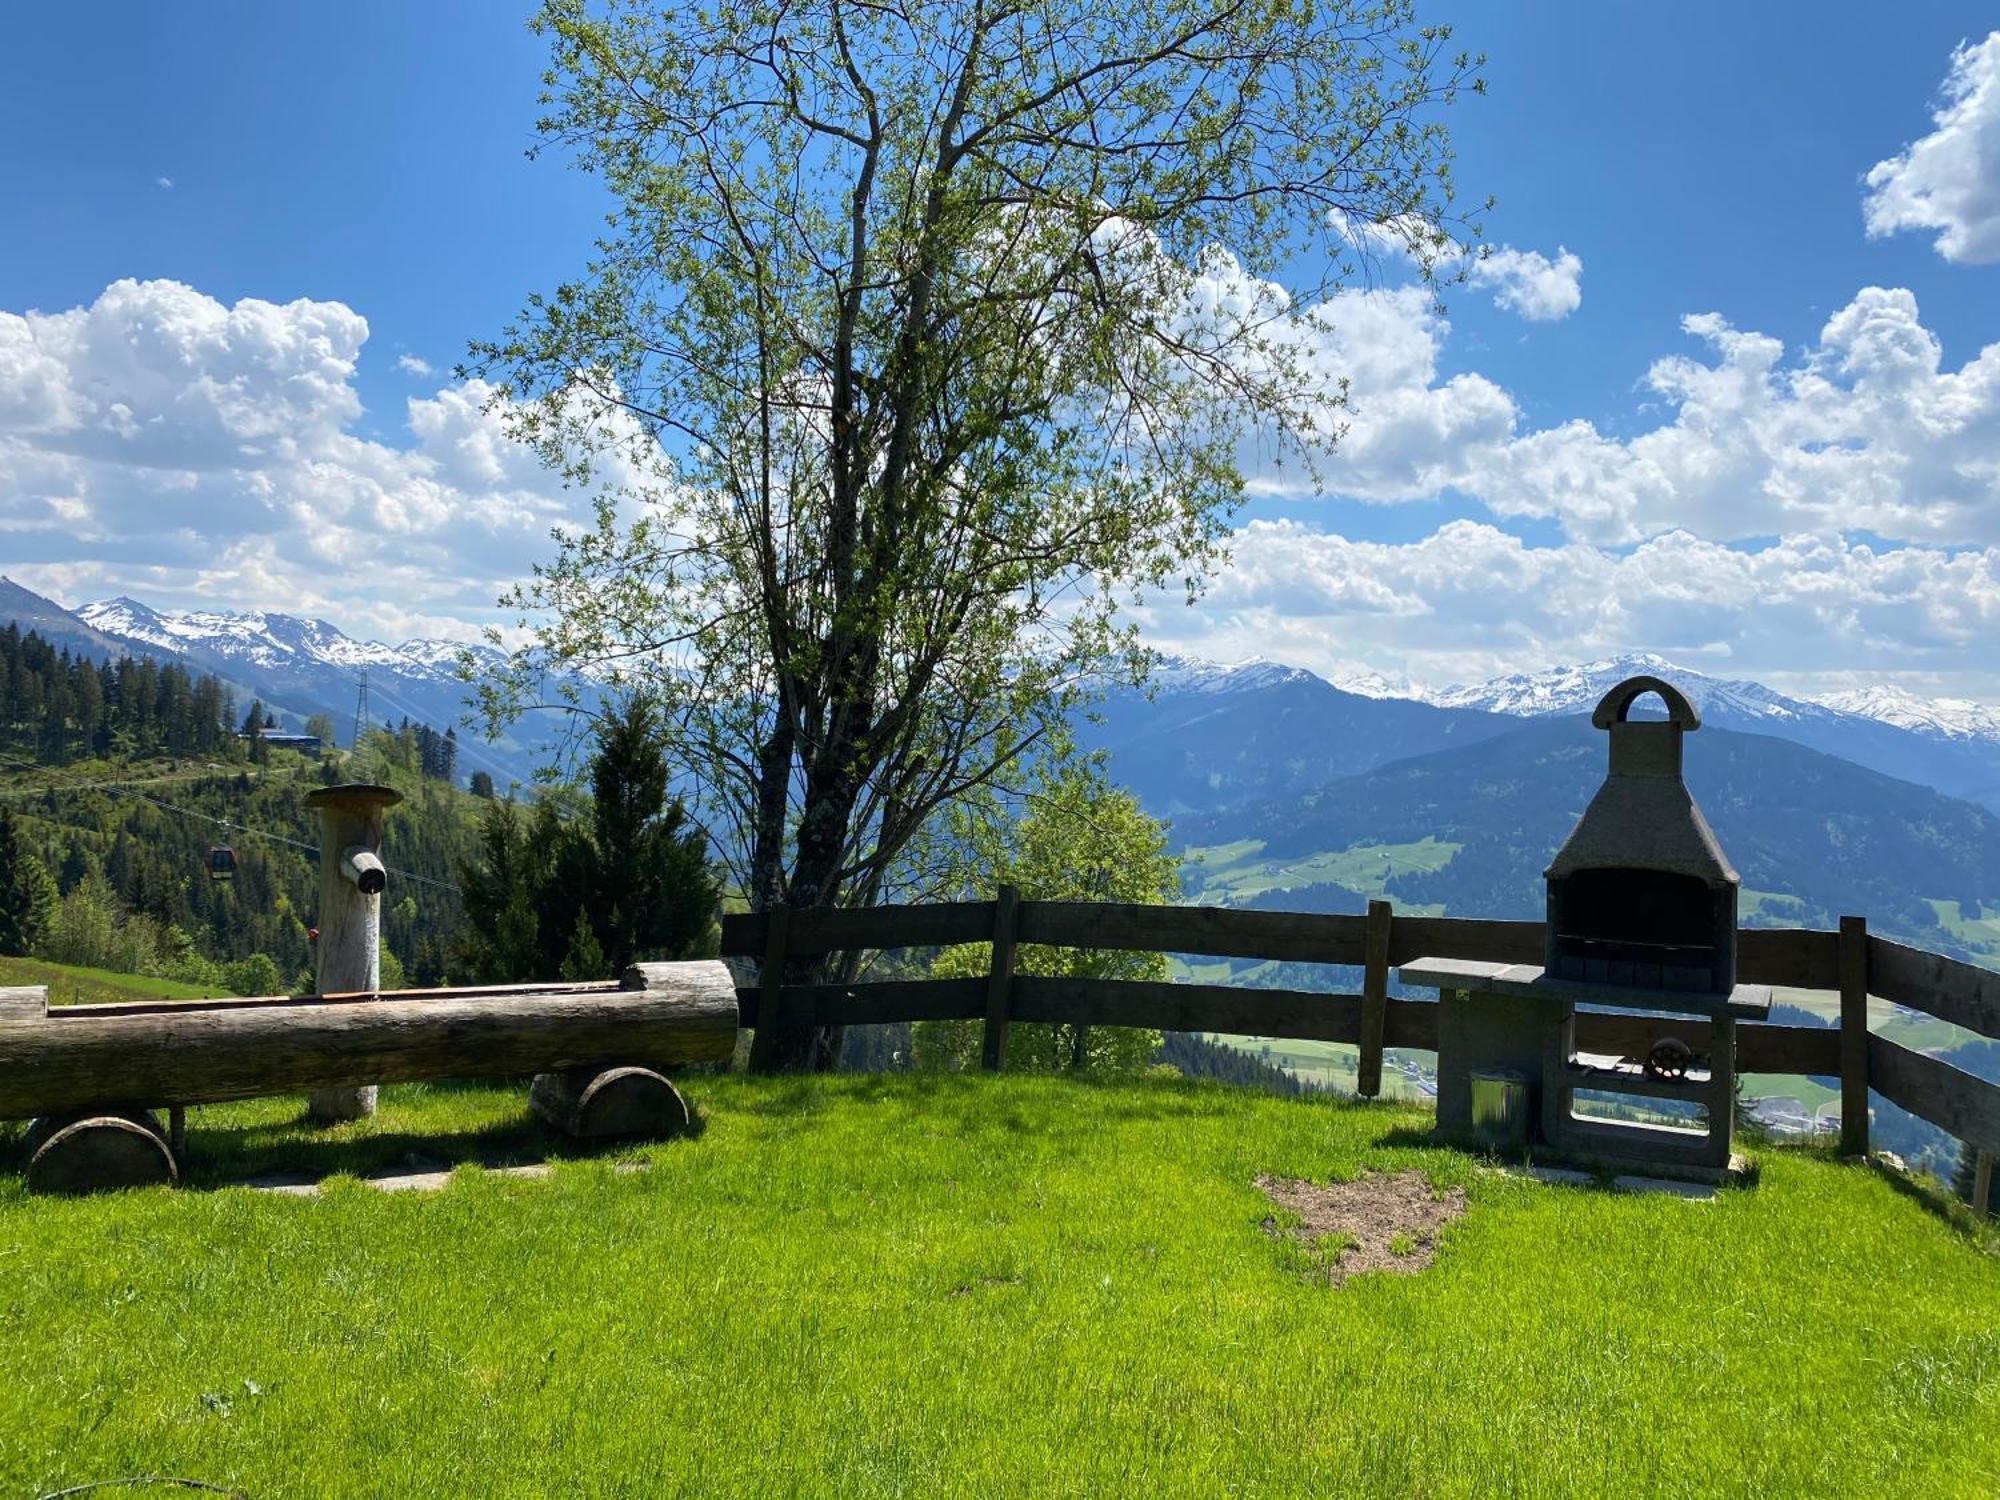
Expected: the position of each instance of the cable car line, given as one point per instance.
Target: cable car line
(113, 789)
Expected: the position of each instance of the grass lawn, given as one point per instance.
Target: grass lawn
(975, 1286)
(70, 984)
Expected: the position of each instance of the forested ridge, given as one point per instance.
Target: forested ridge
(119, 779)
(57, 707)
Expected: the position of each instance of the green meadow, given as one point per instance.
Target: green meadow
(978, 1286)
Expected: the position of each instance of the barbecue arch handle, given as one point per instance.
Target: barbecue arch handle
(1615, 705)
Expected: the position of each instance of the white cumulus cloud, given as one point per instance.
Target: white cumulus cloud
(1864, 431)
(1950, 180)
(1471, 601)
(164, 443)
(1530, 283)
(410, 364)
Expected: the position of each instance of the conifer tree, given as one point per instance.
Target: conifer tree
(27, 893)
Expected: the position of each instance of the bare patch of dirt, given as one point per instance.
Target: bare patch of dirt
(1379, 1221)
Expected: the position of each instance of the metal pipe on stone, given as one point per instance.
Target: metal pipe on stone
(351, 881)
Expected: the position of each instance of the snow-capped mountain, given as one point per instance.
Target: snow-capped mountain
(269, 640)
(1573, 689)
(1211, 735)
(1947, 745)
(1943, 718)
(299, 667)
(1216, 735)
(1193, 674)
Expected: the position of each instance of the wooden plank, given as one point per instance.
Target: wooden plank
(1804, 1051)
(1411, 1024)
(1982, 1184)
(1374, 998)
(1957, 1102)
(1466, 937)
(1799, 958)
(23, 1003)
(1306, 1015)
(1854, 1036)
(86, 1060)
(838, 930)
(1213, 931)
(876, 1002)
(772, 1016)
(1000, 978)
(1962, 993)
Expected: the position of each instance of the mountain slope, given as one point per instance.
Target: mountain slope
(1822, 835)
(1894, 733)
(309, 666)
(296, 667)
(1213, 736)
(58, 626)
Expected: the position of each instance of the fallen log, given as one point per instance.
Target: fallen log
(102, 1058)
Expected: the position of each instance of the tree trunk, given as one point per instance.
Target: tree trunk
(832, 790)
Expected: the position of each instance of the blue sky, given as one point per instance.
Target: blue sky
(370, 158)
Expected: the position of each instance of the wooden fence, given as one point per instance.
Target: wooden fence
(1848, 961)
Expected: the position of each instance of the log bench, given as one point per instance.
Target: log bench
(92, 1076)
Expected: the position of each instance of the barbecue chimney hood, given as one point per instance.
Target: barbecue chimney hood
(1641, 895)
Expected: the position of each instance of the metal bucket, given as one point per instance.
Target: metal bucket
(1500, 1108)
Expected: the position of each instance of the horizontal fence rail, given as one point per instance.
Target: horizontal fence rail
(1848, 961)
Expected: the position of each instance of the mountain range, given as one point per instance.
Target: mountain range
(1223, 751)
(296, 667)
(1212, 736)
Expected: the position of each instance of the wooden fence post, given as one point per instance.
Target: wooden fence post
(351, 880)
(771, 990)
(1982, 1184)
(1854, 1036)
(1000, 978)
(1374, 998)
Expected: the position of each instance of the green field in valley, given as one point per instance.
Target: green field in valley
(69, 984)
(980, 1286)
(1231, 874)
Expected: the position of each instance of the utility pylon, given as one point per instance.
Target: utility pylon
(361, 710)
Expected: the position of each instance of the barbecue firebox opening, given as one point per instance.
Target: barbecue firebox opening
(1650, 928)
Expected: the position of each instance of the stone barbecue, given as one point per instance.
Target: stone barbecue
(1641, 919)
(1640, 894)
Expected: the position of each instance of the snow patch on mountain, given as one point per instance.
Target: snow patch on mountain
(1577, 688)
(1939, 718)
(1364, 682)
(267, 639)
(1192, 674)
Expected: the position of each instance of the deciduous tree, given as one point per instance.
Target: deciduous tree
(1077, 839)
(920, 337)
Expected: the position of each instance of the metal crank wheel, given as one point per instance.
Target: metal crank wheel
(1669, 1060)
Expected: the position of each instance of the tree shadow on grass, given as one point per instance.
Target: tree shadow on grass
(293, 1151)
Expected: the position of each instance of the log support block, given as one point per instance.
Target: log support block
(92, 1153)
(603, 1104)
(333, 1106)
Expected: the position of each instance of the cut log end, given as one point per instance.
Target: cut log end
(333, 1106)
(609, 1103)
(99, 1153)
